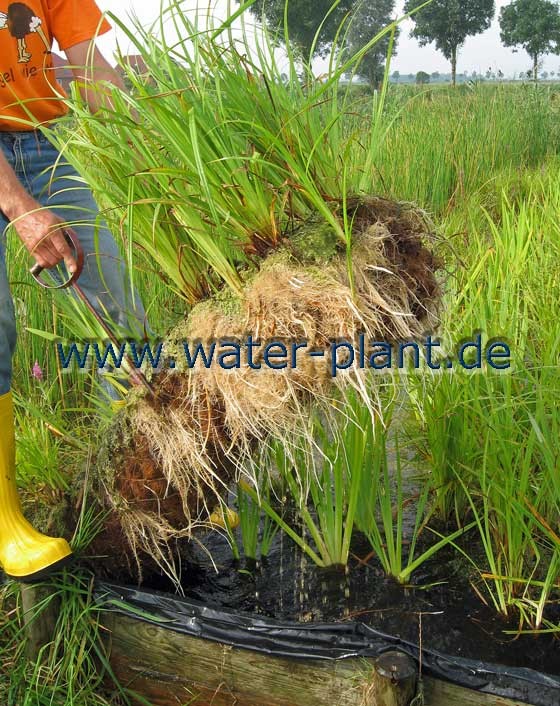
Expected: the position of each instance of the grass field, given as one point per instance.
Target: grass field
(483, 161)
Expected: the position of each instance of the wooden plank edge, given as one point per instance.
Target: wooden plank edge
(166, 666)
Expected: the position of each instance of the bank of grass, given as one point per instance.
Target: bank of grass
(492, 438)
(446, 144)
(482, 160)
(73, 669)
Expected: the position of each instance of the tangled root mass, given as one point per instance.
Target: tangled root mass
(167, 460)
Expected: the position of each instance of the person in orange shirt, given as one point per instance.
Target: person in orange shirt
(38, 197)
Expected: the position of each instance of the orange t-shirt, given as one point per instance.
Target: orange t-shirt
(27, 30)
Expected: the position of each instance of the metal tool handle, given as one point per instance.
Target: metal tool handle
(136, 376)
(72, 240)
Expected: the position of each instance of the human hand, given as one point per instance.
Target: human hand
(40, 231)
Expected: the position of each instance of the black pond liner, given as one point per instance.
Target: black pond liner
(321, 641)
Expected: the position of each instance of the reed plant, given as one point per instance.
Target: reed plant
(141, 170)
(492, 437)
(346, 481)
(445, 144)
(237, 181)
(205, 164)
(387, 507)
(321, 470)
(257, 529)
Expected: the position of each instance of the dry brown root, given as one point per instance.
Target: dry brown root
(167, 460)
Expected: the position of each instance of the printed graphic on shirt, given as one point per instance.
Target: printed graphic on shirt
(20, 20)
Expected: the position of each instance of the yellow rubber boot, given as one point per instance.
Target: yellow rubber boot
(25, 554)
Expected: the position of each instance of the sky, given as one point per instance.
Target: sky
(479, 53)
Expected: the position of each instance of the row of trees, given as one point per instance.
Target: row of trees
(422, 77)
(532, 25)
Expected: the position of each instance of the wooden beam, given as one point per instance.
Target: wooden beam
(40, 613)
(172, 669)
(442, 693)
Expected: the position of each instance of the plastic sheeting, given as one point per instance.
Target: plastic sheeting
(322, 641)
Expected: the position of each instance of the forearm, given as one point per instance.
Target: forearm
(14, 199)
(94, 86)
(40, 230)
(94, 75)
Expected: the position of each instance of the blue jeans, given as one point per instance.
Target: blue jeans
(53, 184)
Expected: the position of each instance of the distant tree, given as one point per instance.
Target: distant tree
(396, 75)
(436, 76)
(411, 77)
(474, 74)
(422, 78)
(533, 25)
(544, 75)
(304, 20)
(500, 74)
(448, 23)
(368, 20)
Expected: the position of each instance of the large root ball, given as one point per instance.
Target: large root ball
(168, 459)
